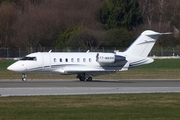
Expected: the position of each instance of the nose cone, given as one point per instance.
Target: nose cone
(11, 68)
(16, 67)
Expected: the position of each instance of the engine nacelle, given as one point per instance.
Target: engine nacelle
(107, 58)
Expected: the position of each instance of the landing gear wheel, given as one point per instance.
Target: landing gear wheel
(82, 78)
(89, 79)
(24, 79)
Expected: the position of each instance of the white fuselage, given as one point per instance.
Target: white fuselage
(69, 63)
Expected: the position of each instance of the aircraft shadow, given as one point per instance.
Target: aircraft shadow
(110, 81)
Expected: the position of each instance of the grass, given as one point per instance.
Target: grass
(159, 69)
(92, 107)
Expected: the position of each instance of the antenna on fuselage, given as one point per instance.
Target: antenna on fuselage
(50, 51)
(88, 51)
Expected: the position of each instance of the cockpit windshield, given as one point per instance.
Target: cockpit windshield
(29, 58)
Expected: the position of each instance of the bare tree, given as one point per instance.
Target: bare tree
(7, 18)
(162, 8)
(39, 23)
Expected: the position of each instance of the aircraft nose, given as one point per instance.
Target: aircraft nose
(16, 68)
(12, 68)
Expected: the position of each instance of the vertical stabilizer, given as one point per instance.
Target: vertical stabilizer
(144, 43)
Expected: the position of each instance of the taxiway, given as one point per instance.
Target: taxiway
(75, 87)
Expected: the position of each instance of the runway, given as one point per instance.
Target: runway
(76, 87)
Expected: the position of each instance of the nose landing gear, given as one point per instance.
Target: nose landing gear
(24, 77)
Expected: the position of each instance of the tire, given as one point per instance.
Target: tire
(82, 78)
(24, 79)
(89, 79)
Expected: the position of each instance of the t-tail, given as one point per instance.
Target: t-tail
(144, 43)
(137, 53)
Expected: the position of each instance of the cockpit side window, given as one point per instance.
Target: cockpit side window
(29, 58)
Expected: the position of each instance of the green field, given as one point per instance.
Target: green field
(159, 69)
(92, 107)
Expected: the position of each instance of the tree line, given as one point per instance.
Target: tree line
(35, 24)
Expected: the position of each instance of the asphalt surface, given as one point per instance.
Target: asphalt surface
(75, 87)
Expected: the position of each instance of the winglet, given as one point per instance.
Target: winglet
(88, 51)
(50, 51)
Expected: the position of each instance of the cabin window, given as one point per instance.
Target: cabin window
(29, 58)
(54, 59)
(60, 59)
(78, 60)
(90, 60)
(72, 60)
(66, 60)
(84, 59)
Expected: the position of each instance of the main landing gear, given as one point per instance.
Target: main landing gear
(84, 77)
(23, 77)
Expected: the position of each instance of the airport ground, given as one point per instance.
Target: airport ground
(75, 87)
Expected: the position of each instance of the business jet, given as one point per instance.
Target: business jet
(88, 64)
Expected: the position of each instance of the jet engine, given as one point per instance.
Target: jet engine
(107, 58)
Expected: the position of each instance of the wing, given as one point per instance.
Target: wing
(81, 69)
